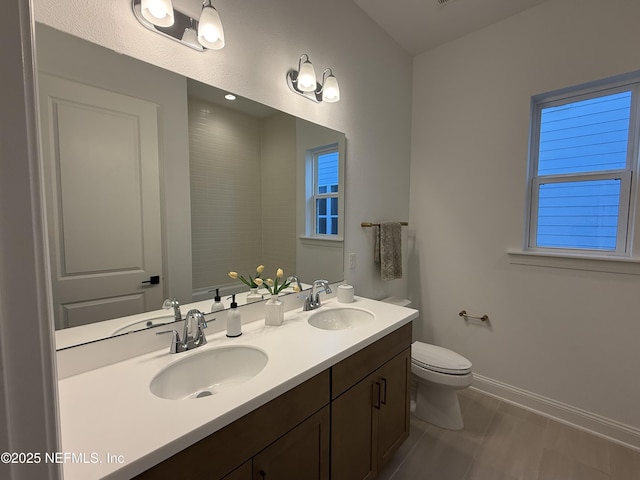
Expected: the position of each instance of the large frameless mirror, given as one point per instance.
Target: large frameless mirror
(158, 186)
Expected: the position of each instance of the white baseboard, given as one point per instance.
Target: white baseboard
(598, 425)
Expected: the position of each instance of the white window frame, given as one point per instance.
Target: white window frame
(313, 195)
(324, 196)
(628, 188)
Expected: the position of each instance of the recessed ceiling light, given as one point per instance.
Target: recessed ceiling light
(230, 96)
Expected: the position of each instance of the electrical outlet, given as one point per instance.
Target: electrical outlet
(352, 261)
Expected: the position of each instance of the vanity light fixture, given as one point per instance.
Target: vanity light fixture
(210, 33)
(303, 82)
(194, 23)
(306, 81)
(330, 88)
(158, 12)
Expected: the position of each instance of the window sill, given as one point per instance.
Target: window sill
(323, 241)
(624, 265)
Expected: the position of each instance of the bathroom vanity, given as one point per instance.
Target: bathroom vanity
(327, 404)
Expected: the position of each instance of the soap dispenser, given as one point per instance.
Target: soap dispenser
(217, 304)
(234, 319)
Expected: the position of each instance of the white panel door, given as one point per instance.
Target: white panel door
(102, 194)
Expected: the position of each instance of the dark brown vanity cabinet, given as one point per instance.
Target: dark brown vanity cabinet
(370, 418)
(343, 424)
(303, 453)
(393, 416)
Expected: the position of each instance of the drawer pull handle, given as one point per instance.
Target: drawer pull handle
(263, 474)
(384, 391)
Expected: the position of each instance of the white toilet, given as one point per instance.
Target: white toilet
(438, 373)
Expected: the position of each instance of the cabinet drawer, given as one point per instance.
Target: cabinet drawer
(356, 367)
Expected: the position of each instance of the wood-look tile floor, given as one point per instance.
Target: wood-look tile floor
(504, 442)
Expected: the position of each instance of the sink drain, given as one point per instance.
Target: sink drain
(206, 393)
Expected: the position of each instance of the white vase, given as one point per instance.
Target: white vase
(253, 295)
(274, 311)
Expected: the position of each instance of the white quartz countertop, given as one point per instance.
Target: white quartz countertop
(113, 427)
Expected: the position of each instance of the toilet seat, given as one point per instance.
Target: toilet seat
(439, 359)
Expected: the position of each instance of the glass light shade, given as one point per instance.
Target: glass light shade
(330, 90)
(158, 12)
(190, 36)
(306, 77)
(210, 33)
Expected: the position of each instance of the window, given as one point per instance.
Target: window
(325, 200)
(583, 158)
(324, 190)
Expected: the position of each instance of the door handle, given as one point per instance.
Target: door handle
(383, 401)
(153, 280)
(376, 397)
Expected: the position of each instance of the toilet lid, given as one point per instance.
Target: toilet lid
(439, 359)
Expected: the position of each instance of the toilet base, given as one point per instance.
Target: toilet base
(438, 405)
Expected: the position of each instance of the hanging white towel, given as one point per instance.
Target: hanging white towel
(388, 250)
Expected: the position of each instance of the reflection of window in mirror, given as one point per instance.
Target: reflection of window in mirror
(325, 197)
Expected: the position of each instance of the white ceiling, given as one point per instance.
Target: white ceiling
(420, 25)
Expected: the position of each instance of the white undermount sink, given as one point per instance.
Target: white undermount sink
(142, 324)
(340, 318)
(208, 372)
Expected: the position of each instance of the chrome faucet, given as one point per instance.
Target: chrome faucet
(292, 279)
(312, 301)
(193, 335)
(173, 303)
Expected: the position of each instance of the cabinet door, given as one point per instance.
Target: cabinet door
(354, 431)
(243, 472)
(393, 422)
(303, 453)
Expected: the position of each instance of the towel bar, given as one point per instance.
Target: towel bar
(369, 224)
(463, 313)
